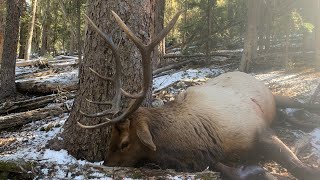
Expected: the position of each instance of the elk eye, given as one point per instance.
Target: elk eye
(124, 146)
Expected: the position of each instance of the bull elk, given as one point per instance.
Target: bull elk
(230, 114)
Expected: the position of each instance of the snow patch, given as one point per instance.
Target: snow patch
(315, 141)
(187, 75)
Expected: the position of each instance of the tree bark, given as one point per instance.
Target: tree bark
(93, 144)
(72, 27)
(79, 44)
(251, 39)
(23, 30)
(8, 63)
(268, 25)
(211, 4)
(160, 50)
(317, 33)
(30, 32)
(45, 28)
(71, 45)
(2, 24)
(286, 47)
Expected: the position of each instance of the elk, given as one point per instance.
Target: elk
(204, 126)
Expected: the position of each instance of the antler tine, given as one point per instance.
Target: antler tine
(99, 103)
(131, 35)
(158, 38)
(102, 34)
(94, 126)
(166, 30)
(99, 75)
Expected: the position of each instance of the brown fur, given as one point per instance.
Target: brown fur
(204, 125)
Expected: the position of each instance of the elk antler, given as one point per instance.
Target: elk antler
(138, 98)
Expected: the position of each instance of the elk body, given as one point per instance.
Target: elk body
(203, 124)
(230, 114)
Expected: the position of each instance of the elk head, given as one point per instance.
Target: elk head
(129, 137)
(131, 140)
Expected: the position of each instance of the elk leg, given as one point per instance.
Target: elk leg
(243, 173)
(274, 149)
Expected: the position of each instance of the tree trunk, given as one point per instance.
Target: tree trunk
(268, 25)
(286, 47)
(185, 21)
(30, 32)
(78, 5)
(251, 39)
(261, 28)
(160, 50)
(317, 32)
(8, 63)
(93, 144)
(23, 30)
(71, 45)
(209, 30)
(45, 29)
(1, 27)
(72, 28)
(230, 9)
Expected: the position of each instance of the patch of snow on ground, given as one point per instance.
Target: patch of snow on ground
(61, 78)
(31, 141)
(25, 70)
(30, 147)
(190, 74)
(315, 141)
(295, 84)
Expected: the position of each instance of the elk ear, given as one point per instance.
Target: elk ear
(144, 135)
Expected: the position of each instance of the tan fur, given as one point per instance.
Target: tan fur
(202, 126)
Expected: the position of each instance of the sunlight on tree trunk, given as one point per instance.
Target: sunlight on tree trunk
(251, 39)
(317, 33)
(30, 32)
(286, 47)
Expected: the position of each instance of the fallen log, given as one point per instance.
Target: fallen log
(46, 62)
(181, 63)
(16, 169)
(33, 62)
(67, 81)
(33, 103)
(172, 66)
(65, 57)
(228, 55)
(35, 74)
(19, 119)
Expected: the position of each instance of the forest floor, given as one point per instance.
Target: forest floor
(23, 151)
